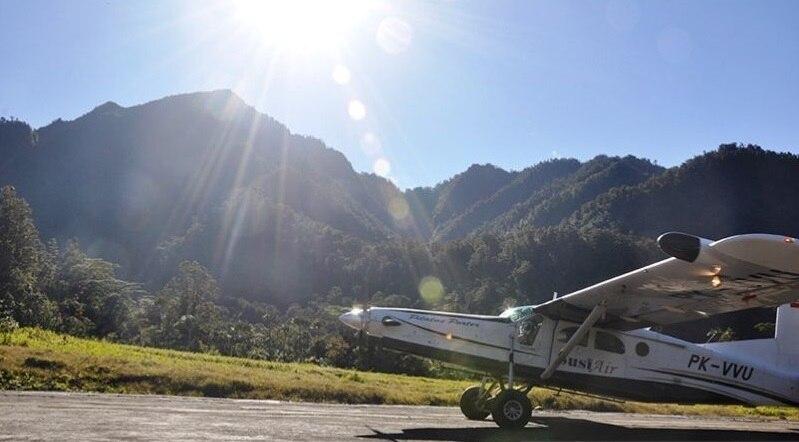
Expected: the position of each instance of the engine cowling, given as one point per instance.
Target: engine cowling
(683, 246)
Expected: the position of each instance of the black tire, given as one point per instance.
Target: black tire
(469, 406)
(512, 409)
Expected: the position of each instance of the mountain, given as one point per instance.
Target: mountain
(467, 188)
(544, 195)
(523, 185)
(551, 205)
(123, 180)
(281, 218)
(733, 190)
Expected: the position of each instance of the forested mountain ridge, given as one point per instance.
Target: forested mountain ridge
(558, 197)
(131, 178)
(465, 189)
(525, 183)
(730, 191)
(281, 218)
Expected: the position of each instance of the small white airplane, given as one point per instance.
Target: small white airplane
(597, 340)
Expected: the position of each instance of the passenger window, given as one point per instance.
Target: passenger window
(565, 334)
(608, 342)
(641, 349)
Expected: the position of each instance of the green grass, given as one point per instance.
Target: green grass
(33, 359)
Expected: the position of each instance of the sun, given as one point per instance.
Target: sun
(302, 25)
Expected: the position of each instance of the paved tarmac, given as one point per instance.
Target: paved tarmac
(29, 416)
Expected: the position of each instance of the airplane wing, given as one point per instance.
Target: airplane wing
(703, 278)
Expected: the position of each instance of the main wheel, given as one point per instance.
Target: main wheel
(511, 409)
(470, 406)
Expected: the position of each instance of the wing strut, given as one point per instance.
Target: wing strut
(595, 315)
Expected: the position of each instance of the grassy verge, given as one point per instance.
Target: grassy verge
(32, 359)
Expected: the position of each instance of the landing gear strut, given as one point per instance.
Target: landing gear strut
(508, 405)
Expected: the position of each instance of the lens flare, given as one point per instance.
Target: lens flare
(398, 208)
(431, 289)
(370, 144)
(356, 109)
(382, 167)
(341, 74)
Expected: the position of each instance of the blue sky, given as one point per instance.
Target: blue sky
(444, 84)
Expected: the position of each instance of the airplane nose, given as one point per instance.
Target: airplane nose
(353, 318)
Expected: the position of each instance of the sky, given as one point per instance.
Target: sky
(417, 91)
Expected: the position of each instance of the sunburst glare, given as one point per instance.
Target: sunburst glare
(301, 25)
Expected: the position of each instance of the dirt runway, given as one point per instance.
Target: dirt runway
(37, 416)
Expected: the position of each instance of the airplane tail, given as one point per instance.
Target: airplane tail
(786, 334)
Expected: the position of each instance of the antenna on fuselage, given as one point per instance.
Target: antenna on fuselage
(554, 295)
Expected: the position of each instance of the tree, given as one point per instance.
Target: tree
(92, 301)
(187, 315)
(721, 334)
(23, 264)
(16, 134)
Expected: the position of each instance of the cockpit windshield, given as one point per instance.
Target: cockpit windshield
(516, 314)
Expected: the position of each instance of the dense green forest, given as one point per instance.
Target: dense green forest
(195, 222)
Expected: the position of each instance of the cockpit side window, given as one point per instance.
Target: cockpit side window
(566, 333)
(529, 328)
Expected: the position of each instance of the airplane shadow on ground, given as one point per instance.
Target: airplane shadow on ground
(559, 428)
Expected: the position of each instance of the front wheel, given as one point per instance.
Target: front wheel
(471, 405)
(512, 409)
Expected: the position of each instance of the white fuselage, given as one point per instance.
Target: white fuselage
(639, 365)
